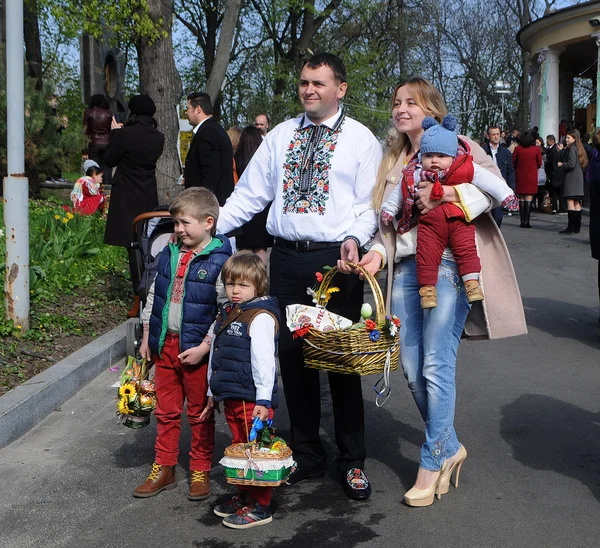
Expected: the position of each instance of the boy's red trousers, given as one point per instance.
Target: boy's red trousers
(240, 425)
(176, 383)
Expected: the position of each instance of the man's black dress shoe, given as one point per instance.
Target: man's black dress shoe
(356, 485)
(304, 474)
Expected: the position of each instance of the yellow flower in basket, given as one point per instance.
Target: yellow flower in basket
(127, 391)
(277, 446)
(123, 408)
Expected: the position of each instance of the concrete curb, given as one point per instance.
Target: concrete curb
(24, 406)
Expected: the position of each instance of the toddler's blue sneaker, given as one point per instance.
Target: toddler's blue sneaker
(229, 507)
(249, 516)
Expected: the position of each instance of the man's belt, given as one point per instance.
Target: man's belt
(305, 245)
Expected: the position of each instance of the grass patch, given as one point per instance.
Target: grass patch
(79, 289)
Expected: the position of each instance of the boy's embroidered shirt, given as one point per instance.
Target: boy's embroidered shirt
(176, 303)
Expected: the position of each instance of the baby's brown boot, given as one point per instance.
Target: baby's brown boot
(474, 292)
(428, 296)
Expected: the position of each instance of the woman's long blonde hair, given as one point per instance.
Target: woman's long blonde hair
(583, 159)
(431, 101)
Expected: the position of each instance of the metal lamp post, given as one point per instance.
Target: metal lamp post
(16, 185)
(502, 88)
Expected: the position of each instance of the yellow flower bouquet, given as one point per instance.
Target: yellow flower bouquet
(136, 395)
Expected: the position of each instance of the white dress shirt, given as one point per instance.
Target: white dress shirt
(494, 151)
(195, 130)
(349, 175)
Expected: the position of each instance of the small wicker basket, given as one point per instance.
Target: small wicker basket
(138, 415)
(352, 350)
(244, 465)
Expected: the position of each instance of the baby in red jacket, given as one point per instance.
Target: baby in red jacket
(444, 231)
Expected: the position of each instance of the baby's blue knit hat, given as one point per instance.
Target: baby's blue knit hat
(440, 138)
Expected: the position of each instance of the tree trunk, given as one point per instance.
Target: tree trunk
(33, 47)
(221, 61)
(159, 79)
(523, 113)
(2, 39)
(3, 24)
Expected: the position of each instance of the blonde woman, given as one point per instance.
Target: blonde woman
(430, 338)
(576, 161)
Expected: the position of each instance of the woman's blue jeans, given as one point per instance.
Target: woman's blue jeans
(428, 345)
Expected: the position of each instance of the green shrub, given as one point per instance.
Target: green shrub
(49, 148)
(66, 252)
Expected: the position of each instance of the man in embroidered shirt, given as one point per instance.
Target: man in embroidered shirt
(319, 171)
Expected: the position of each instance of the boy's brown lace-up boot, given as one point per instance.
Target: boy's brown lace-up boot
(161, 478)
(199, 485)
(428, 296)
(474, 292)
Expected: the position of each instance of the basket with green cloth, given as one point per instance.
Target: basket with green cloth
(265, 461)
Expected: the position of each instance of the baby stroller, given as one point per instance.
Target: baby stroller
(151, 233)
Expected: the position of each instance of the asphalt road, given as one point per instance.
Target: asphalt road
(527, 412)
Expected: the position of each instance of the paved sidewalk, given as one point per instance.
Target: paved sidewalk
(24, 406)
(527, 412)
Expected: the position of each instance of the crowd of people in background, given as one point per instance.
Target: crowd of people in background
(550, 175)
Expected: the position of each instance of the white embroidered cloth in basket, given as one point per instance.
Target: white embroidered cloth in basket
(301, 315)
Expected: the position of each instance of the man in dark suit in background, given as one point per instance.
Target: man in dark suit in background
(555, 177)
(503, 159)
(551, 152)
(209, 162)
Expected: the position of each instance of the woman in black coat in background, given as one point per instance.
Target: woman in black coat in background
(594, 178)
(134, 150)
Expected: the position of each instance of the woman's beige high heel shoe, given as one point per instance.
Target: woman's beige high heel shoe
(446, 476)
(424, 497)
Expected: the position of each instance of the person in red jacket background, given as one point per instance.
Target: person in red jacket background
(527, 159)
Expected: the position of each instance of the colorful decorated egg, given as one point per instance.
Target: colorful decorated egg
(147, 387)
(146, 400)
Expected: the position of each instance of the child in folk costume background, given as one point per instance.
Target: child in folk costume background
(181, 306)
(443, 162)
(88, 195)
(243, 372)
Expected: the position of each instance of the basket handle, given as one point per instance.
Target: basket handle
(143, 371)
(379, 301)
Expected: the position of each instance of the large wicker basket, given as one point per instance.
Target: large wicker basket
(352, 350)
(244, 465)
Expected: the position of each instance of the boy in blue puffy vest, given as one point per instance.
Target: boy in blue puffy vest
(243, 372)
(181, 306)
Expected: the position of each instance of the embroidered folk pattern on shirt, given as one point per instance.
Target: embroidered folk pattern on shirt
(313, 195)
